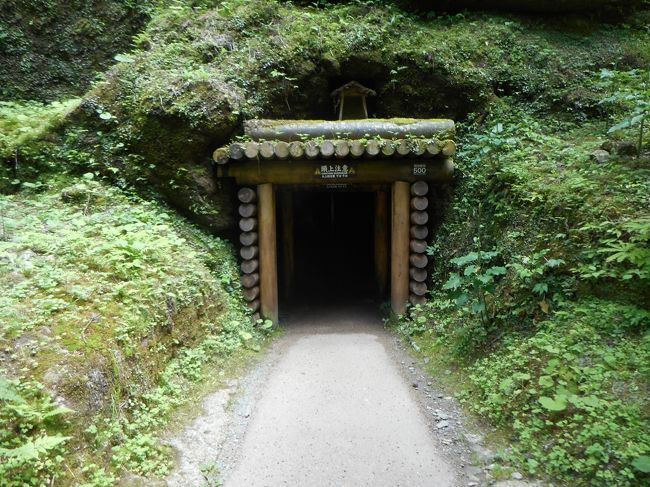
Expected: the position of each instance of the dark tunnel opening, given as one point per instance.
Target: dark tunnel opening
(333, 248)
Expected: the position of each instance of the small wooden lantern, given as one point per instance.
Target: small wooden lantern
(351, 100)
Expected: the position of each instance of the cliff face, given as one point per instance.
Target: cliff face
(52, 49)
(197, 73)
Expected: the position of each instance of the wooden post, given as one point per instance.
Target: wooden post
(268, 252)
(381, 241)
(399, 291)
(286, 206)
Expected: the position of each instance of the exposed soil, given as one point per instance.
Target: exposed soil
(336, 400)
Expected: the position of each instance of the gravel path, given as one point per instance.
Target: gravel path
(336, 401)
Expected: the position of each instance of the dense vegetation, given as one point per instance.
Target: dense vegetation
(541, 278)
(110, 306)
(111, 303)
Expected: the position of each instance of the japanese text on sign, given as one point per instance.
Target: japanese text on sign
(334, 171)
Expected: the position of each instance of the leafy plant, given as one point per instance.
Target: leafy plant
(476, 280)
(30, 450)
(632, 93)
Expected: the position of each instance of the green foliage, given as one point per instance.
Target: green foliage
(631, 92)
(24, 130)
(575, 393)
(565, 372)
(51, 49)
(147, 300)
(30, 447)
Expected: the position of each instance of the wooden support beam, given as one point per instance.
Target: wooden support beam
(358, 171)
(400, 247)
(268, 252)
(381, 241)
(286, 208)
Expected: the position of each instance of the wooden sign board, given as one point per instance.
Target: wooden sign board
(330, 173)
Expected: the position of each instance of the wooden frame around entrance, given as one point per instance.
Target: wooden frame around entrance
(399, 246)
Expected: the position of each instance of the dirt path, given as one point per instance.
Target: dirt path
(335, 402)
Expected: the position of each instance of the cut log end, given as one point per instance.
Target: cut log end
(254, 305)
(248, 224)
(221, 155)
(251, 150)
(247, 210)
(248, 238)
(448, 148)
(418, 246)
(267, 150)
(419, 275)
(342, 148)
(418, 288)
(416, 300)
(296, 150)
(419, 232)
(419, 188)
(327, 148)
(249, 252)
(250, 266)
(251, 294)
(237, 151)
(250, 280)
(418, 261)
(281, 150)
(419, 217)
(247, 195)
(419, 203)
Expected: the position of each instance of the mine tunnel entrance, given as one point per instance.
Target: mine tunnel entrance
(336, 210)
(333, 241)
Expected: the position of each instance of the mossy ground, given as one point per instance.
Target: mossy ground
(115, 305)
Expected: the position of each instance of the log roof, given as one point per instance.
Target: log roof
(319, 139)
(335, 148)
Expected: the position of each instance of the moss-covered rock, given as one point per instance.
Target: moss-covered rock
(54, 48)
